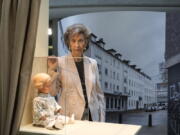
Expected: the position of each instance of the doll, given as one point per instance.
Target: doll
(46, 111)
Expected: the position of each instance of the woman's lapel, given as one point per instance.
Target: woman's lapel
(88, 76)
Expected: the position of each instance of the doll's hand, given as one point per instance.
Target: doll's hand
(43, 118)
(58, 111)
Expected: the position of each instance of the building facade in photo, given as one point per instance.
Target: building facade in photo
(125, 86)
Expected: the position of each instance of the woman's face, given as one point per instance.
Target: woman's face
(77, 44)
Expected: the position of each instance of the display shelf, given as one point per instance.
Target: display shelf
(83, 128)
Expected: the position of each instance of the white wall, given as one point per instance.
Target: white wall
(40, 58)
(42, 33)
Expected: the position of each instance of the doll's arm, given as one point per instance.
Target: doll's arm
(57, 107)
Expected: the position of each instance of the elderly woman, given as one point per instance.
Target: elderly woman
(77, 77)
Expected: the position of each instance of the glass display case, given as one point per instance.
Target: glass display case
(68, 90)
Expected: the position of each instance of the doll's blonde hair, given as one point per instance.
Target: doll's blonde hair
(40, 79)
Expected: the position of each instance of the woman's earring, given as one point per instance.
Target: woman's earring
(84, 49)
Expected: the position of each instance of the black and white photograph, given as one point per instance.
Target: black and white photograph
(94, 67)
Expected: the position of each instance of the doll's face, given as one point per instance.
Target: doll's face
(42, 82)
(45, 86)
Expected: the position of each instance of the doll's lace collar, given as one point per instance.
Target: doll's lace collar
(44, 95)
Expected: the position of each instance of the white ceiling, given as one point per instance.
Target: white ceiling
(64, 8)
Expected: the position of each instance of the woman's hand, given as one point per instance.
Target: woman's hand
(52, 62)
